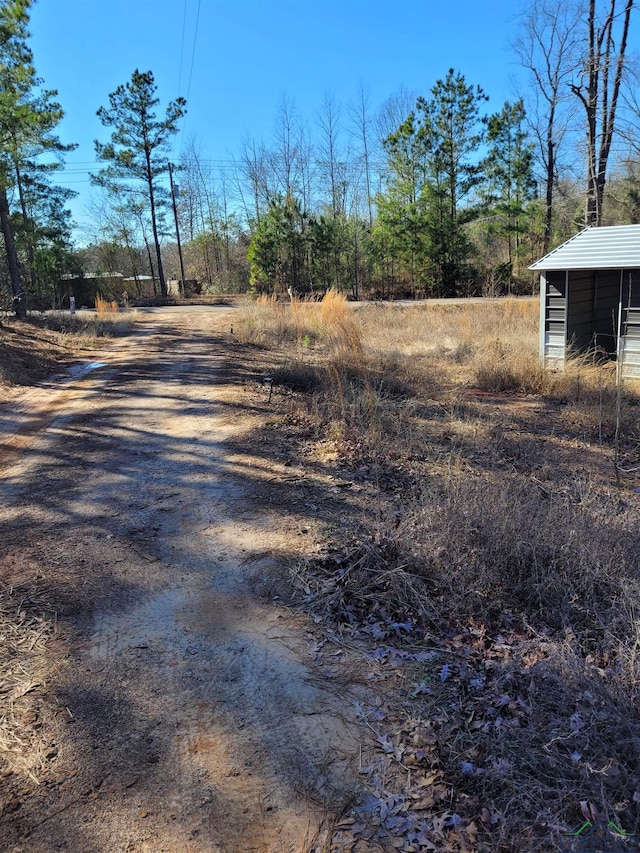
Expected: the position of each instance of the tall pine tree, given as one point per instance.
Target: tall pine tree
(32, 213)
(139, 144)
(509, 177)
(453, 131)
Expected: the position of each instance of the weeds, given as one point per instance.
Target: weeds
(105, 308)
(495, 533)
(87, 327)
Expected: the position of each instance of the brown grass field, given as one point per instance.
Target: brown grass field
(494, 570)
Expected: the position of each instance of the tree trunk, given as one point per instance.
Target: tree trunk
(609, 110)
(590, 101)
(546, 47)
(600, 101)
(549, 179)
(150, 259)
(25, 216)
(154, 227)
(19, 298)
(156, 240)
(227, 248)
(360, 119)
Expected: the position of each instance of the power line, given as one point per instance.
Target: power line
(193, 50)
(193, 56)
(223, 161)
(184, 23)
(75, 163)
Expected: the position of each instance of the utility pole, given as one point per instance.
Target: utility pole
(175, 216)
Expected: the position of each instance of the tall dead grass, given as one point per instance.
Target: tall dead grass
(104, 308)
(377, 357)
(341, 332)
(328, 324)
(515, 529)
(86, 330)
(531, 592)
(493, 513)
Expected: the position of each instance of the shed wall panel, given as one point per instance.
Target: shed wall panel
(591, 287)
(606, 308)
(630, 324)
(553, 314)
(580, 298)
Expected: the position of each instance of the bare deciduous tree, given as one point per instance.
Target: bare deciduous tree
(598, 90)
(359, 114)
(546, 47)
(290, 156)
(329, 161)
(252, 167)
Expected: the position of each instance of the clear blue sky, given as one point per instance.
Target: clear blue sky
(234, 60)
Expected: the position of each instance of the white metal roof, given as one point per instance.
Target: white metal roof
(607, 247)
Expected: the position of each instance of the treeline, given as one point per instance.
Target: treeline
(437, 193)
(424, 196)
(440, 203)
(434, 193)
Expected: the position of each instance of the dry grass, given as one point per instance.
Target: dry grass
(498, 521)
(328, 325)
(86, 330)
(31, 351)
(105, 308)
(26, 626)
(382, 365)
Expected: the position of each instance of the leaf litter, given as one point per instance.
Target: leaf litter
(481, 739)
(27, 624)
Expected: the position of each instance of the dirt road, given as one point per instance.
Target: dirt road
(180, 710)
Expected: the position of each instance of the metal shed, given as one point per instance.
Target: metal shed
(590, 297)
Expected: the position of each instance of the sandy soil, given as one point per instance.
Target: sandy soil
(177, 706)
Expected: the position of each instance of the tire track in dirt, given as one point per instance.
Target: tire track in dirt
(199, 723)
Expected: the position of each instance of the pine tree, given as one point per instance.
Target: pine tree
(139, 144)
(28, 118)
(453, 131)
(42, 204)
(17, 75)
(509, 175)
(401, 209)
